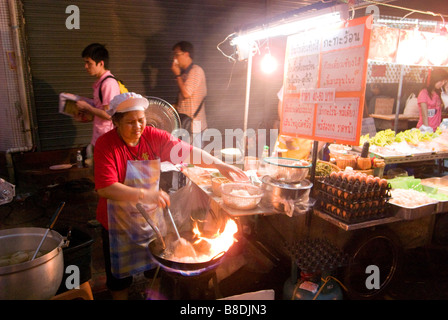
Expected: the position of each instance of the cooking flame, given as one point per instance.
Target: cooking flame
(204, 248)
(220, 242)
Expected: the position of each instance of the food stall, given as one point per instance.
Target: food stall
(291, 204)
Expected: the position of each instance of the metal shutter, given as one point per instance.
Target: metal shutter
(139, 36)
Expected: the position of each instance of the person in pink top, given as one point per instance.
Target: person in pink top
(96, 63)
(430, 102)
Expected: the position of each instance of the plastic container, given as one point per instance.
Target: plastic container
(345, 160)
(78, 253)
(241, 196)
(216, 185)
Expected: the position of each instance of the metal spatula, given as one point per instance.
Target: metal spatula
(181, 247)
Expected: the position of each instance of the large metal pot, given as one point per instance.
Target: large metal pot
(31, 280)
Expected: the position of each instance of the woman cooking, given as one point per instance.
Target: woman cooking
(127, 170)
(429, 101)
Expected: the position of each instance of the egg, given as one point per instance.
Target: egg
(383, 183)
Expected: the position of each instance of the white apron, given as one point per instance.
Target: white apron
(129, 233)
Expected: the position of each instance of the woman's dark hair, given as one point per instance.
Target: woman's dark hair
(97, 52)
(185, 46)
(117, 116)
(436, 76)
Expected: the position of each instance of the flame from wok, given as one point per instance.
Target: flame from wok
(218, 243)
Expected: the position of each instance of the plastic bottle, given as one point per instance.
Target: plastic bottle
(79, 163)
(261, 164)
(265, 153)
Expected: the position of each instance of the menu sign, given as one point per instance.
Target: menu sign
(325, 75)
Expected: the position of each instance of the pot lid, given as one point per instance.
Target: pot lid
(162, 115)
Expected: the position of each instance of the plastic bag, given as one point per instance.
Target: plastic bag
(411, 107)
(425, 129)
(7, 191)
(189, 205)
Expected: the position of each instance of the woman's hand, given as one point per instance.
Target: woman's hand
(160, 197)
(232, 173)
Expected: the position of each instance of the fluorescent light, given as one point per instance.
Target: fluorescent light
(287, 26)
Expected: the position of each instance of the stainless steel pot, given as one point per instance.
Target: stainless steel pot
(38, 279)
(276, 192)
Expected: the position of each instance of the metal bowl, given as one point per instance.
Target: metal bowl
(276, 192)
(286, 169)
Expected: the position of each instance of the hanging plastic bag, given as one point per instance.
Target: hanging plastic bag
(7, 191)
(411, 107)
(189, 204)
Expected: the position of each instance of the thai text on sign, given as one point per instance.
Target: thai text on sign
(324, 83)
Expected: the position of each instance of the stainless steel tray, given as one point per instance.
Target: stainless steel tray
(411, 213)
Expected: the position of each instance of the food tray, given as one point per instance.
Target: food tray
(391, 156)
(435, 182)
(411, 213)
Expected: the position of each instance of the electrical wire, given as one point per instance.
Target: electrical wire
(407, 9)
(325, 282)
(231, 73)
(219, 49)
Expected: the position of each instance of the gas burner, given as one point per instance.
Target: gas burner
(191, 285)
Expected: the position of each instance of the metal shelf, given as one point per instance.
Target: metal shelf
(417, 158)
(354, 226)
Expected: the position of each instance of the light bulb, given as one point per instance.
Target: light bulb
(268, 63)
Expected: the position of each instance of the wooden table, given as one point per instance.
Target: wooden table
(387, 121)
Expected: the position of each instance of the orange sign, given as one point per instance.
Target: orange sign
(324, 83)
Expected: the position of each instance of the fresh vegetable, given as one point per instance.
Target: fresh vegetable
(323, 169)
(388, 136)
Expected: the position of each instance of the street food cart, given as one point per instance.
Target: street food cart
(323, 100)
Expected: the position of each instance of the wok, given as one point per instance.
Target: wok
(158, 251)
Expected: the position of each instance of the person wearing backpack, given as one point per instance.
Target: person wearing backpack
(105, 88)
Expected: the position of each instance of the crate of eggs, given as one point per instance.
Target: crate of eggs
(354, 197)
